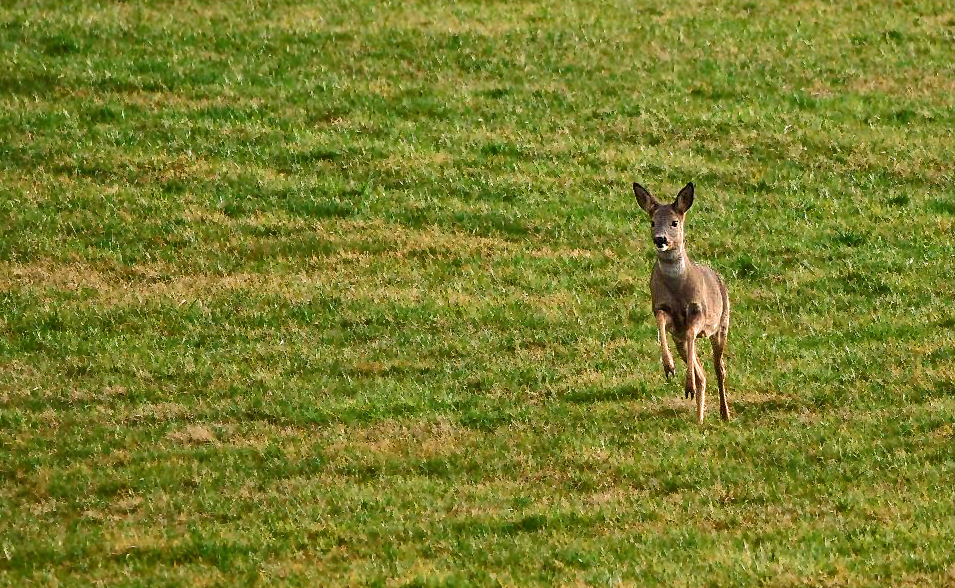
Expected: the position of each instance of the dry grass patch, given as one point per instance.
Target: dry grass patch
(60, 277)
(156, 282)
(193, 435)
(130, 538)
(426, 439)
(156, 412)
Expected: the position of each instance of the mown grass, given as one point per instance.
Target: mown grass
(355, 294)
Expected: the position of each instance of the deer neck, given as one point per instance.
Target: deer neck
(674, 270)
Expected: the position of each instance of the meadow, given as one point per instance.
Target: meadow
(355, 293)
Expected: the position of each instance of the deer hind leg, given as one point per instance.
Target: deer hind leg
(719, 345)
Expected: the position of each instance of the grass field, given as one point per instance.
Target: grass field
(356, 294)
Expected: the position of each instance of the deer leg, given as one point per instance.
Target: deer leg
(719, 345)
(662, 320)
(681, 346)
(695, 315)
(700, 378)
(694, 384)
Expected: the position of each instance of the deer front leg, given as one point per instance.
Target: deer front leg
(681, 347)
(662, 320)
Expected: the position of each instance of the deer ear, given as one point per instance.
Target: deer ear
(646, 201)
(684, 199)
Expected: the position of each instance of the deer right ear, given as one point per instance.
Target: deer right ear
(646, 201)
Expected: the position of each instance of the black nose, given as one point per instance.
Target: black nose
(660, 241)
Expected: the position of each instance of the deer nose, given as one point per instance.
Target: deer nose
(660, 241)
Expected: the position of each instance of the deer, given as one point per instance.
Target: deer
(689, 300)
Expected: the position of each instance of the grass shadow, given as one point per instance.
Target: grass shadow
(672, 405)
(754, 407)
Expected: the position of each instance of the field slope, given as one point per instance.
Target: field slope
(355, 293)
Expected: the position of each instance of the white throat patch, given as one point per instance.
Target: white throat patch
(673, 269)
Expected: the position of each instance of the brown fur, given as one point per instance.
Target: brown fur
(689, 300)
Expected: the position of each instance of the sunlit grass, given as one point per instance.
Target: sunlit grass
(356, 294)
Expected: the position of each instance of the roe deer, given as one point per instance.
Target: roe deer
(689, 300)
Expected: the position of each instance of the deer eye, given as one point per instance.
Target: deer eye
(674, 223)
(651, 224)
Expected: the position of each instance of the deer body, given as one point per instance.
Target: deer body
(689, 300)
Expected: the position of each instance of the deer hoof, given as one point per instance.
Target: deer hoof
(668, 371)
(689, 393)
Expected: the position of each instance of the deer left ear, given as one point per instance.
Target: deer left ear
(684, 199)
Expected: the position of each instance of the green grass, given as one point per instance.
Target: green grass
(355, 293)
